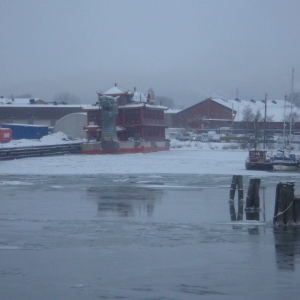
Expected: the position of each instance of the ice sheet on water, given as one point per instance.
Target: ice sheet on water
(9, 247)
(78, 286)
(15, 183)
(120, 180)
(113, 238)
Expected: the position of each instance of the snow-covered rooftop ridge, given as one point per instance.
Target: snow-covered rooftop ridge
(115, 90)
(136, 96)
(275, 108)
(139, 97)
(141, 104)
(172, 111)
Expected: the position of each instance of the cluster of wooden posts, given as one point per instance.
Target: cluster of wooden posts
(252, 200)
(287, 206)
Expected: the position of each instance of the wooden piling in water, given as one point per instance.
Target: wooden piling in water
(240, 210)
(237, 182)
(232, 211)
(233, 188)
(286, 207)
(252, 200)
(240, 188)
(297, 209)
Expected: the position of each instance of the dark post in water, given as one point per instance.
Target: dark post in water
(286, 205)
(252, 200)
(237, 182)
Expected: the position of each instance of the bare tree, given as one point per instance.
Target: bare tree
(24, 96)
(66, 98)
(259, 116)
(291, 115)
(166, 101)
(247, 113)
(294, 99)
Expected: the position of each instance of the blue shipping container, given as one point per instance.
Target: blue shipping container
(24, 131)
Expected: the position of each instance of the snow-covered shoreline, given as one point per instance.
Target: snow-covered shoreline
(51, 139)
(183, 158)
(163, 162)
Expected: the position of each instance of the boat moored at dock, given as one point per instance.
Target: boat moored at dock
(285, 161)
(259, 160)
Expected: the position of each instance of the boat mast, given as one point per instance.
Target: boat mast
(284, 121)
(266, 96)
(292, 100)
(255, 132)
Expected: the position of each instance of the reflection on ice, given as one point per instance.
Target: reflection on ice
(240, 214)
(109, 236)
(252, 214)
(287, 246)
(124, 200)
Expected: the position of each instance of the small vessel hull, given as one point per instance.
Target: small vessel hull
(285, 161)
(258, 160)
(259, 166)
(285, 167)
(126, 147)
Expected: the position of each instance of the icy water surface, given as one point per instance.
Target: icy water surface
(142, 237)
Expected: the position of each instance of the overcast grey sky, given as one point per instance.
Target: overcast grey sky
(187, 50)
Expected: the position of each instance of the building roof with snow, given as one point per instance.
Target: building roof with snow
(139, 97)
(275, 108)
(136, 105)
(127, 97)
(21, 101)
(115, 91)
(172, 110)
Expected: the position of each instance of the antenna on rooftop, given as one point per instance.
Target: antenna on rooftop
(237, 93)
(292, 91)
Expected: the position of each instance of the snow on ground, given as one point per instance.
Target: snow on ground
(196, 145)
(51, 139)
(183, 158)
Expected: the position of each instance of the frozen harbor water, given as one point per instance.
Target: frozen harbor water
(141, 236)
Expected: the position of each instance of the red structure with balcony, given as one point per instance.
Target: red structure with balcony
(139, 119)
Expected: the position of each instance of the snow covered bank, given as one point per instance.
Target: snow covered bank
(183, 158)
(173, 161)
(194, 145)
(51, 139)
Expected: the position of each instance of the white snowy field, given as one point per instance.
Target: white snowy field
(183, 158)
(51, 139)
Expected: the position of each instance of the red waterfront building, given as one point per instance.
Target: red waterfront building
(138, 116)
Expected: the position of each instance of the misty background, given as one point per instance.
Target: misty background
(184, 50)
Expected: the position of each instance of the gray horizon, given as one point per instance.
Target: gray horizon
(186, 50)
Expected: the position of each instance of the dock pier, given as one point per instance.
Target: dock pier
(37, 151)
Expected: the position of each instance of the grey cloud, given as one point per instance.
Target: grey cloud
(187, 50)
